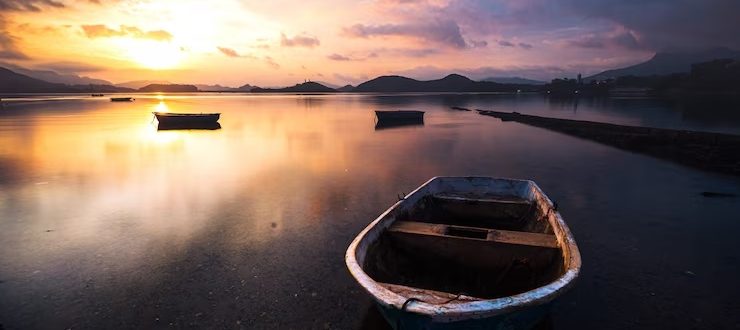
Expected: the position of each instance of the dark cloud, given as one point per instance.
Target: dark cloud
(442, 32)
(670, 24)
(28, 5)
(652, 24)
(525, 45)
(618, 39)
(102, 31)
(299, 41)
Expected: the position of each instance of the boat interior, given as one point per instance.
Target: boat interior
(457, 246)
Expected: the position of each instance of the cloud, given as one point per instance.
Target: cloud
(404, 52)
(8, 44)
(299, 41)
(28, 5)
(669, 24)
(338, 57)
(478, 43)
(269, 61)
(525, 45)
(442, 32)
(228, 52)
(618, 39)
(102, 31)
(506, 43)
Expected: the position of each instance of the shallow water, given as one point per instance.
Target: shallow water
(107, 222)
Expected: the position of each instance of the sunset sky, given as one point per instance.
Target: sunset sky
(269, 43)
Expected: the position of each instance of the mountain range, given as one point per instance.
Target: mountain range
(450, 83)
(664, 63)
(15, 79)
(54, 77)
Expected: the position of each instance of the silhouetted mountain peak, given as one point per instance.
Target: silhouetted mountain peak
(668, 62)
(457, 78)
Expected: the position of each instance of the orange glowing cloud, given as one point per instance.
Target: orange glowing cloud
(102, 31)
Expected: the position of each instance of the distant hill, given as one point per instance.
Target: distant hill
(514, 80)
(346, 88)
(54, 77)
(668, 63)
(246, 87)
(450, 83)
(168, 88)
(136, 84)
(12, 82)
(307, 87)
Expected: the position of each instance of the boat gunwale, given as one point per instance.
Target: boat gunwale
(180, 114)
(457, 311)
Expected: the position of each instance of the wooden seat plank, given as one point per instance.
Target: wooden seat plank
(491, 235)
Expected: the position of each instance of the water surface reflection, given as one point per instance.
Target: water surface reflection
(108, 222)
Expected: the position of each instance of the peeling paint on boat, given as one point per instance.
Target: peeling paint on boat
(457, 311)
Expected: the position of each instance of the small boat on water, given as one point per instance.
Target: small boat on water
(97, 95)
(121, 99)
(170, 120)
(399, 115)
(466, 253)
(386, 124)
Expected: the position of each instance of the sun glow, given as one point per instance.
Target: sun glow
(155, 55)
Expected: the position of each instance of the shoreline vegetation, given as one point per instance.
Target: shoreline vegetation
(716, 152)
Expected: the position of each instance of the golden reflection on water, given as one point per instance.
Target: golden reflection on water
(279, 165)
(108, 173)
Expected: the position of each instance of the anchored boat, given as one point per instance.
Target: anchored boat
(170, 120)
(466, 252)
(121, 99)
(400, 115)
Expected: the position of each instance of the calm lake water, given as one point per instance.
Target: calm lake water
(106, 222)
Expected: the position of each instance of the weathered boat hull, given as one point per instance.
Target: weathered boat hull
(121, 99)
(476, 270)
(523, 319)
(187, 120)
(188, 126)
(400, 115)
(387, 124)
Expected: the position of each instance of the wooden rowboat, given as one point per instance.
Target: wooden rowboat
(121, 99)
(170, 120)
(466, 252)
(400, 115)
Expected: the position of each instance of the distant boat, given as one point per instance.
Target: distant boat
(97, 95)
(121, 99)
(399, 115)
(466, 253)
(169, 120)
(386, 124)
